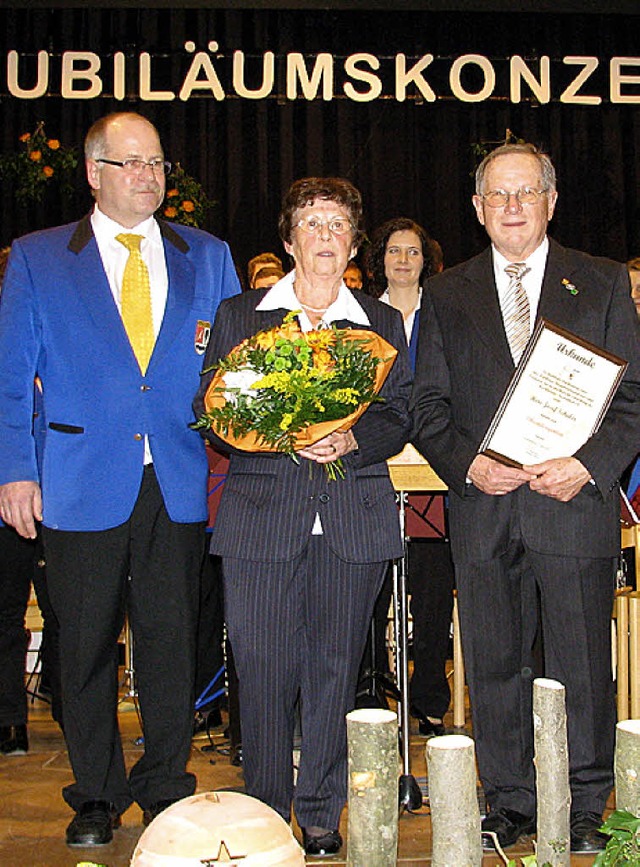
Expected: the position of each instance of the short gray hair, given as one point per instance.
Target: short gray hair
(547, 171)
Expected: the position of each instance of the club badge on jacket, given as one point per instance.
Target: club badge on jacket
(201, 337)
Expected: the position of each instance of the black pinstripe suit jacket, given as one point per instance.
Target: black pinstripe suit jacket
(269, 503)
(464, 366)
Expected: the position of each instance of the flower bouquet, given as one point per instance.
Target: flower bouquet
(284, 389)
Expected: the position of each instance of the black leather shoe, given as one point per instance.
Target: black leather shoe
(14, 740)
(507, 825)
(585, 836)
(155, 809)
(93, 824)
(428, 728)
(320, 845)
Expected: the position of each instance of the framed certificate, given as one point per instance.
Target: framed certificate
(556, 399)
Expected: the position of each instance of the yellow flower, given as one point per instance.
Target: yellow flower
(286, 420)
(47, 171)
(25, 136)
(322, 361)
(36, 156)
(172, 193)
(188, 206)
(279, 380)
(321, 339)
(53, 144)
(346, 395)
(266, 339)
(171, 212)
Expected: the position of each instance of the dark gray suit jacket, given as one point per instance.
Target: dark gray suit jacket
(464, 366)
(269, 502)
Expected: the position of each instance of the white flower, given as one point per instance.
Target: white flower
(240, 382)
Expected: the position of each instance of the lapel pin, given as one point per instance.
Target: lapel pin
(569, 286)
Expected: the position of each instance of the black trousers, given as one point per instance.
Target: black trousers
(298, 629)
(148, 567)
(17, 562)
(498, 621)
(21, 563)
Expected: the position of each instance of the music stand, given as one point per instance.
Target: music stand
(409, 472)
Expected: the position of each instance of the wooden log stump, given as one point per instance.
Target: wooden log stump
(453, 795)
(552, 772)
(372, 736)
(627, 766)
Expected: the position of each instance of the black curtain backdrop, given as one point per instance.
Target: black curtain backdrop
(412, 158)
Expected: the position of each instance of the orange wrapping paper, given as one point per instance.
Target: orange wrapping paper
(379, 348)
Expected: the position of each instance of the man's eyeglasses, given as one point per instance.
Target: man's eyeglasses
(524, 196)
(336, 225)
(136, 167)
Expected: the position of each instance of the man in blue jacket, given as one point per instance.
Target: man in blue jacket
(113, 314)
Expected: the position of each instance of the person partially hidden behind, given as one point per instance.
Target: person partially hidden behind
(113, 314)
(548, 531)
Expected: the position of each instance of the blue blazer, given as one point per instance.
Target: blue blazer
(58, 319)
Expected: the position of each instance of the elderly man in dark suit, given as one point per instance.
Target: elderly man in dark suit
(113, 313)
(548, 531)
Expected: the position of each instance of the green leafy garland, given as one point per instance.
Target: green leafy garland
(185, 201)
(42, 163)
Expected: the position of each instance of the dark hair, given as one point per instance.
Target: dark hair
(307, 190)
(634, 264)
(374, 257)
(547, 171)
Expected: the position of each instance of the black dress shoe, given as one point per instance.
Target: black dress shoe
(585, 836)
(318, 845)
(14, 740)
(155, 809)
(93, 824)
(429, 728)
(507, 825)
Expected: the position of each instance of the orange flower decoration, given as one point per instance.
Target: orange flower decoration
(25, 136)
(53, 144)
(323, 361)
(172, 193)
(171, 212)
(36, 156)
(47, 171)
(188, 206)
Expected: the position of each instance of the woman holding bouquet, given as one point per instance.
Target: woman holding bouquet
(304, 556)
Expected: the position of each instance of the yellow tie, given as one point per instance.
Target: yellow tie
(135, 301)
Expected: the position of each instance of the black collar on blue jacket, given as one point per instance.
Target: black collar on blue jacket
(84, 233)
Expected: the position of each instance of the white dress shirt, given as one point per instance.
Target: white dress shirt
(531, 282)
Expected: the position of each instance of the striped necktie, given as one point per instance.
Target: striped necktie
(135, 301)
(515, 310)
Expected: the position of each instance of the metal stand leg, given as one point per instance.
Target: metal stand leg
(129, 680)
(410, 796)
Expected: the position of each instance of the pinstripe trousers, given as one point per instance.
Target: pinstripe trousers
(298, 628)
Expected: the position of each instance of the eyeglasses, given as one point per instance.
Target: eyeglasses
(524, 196)
(336, 225)
(136, 167)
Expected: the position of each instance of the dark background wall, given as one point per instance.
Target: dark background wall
(412, 158)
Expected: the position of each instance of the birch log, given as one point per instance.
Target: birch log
(453, 795)
(552, 772)
(372, 737)
(627, 766)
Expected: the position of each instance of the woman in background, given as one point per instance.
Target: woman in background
(400, 259)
